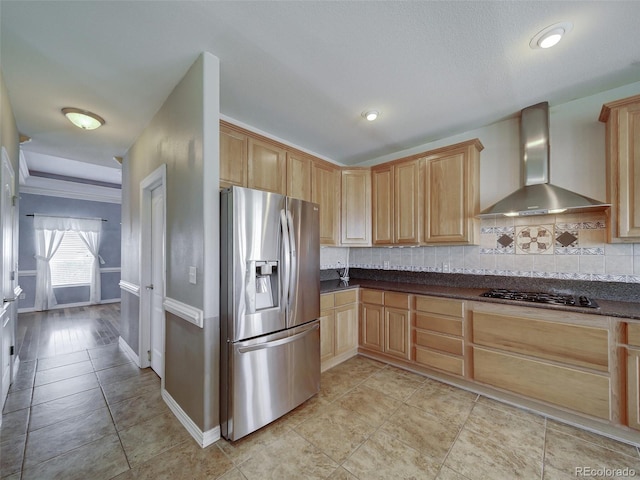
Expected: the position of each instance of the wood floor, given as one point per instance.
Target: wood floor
(66, 330)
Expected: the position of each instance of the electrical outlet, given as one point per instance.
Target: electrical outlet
(23, 296)
(192, 275)
(445, 267)
(386, 265)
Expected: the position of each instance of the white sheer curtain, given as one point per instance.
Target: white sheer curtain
(47, 243)
(92, 239)
(49, 234)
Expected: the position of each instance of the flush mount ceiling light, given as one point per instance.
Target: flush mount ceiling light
(551, 35)
(371, 115)
(83, 119)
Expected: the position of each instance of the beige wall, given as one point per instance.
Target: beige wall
(183, 135)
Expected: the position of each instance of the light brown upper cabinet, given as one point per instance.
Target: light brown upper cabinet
(325, 191)
(356, 207)
(298, 176)
(382, 204)
(267, 166)
(233, 157)
(623, 168)
(452, 194)
(395, 203)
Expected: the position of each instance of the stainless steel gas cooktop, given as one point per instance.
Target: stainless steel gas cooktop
(541, 297)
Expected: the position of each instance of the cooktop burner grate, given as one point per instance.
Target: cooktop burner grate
(541, 297)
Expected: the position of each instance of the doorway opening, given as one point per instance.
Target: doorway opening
(152, 270)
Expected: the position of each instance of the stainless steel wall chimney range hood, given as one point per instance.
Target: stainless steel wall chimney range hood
(537, 196)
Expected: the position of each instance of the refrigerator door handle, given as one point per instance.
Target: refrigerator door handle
(292, 253)
(277, 343)
(286, 280)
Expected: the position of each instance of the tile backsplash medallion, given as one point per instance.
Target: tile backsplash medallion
(570, 246)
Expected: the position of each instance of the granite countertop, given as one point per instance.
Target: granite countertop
(610, 308)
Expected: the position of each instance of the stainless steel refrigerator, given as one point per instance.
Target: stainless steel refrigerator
(269, 307)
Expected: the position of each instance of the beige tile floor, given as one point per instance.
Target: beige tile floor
(94, 415)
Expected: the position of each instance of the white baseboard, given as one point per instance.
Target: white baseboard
(71, 305)
(16, 366)
(129, 351)
(204, 439)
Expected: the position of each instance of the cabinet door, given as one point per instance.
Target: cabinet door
(299, 177)
(346, 336)
(233, 158)
(372, 327)
(629, 172)
(267, 167)
(325, 191)
(327, 334)
(396, 329)
(382, 205)
(452, 195)
(356, 207)
(406, 202)
(576, 389)
(633, 388)
(445, 214)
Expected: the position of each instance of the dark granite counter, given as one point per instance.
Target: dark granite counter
(469, 287)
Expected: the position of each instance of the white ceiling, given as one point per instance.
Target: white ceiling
(304, 71)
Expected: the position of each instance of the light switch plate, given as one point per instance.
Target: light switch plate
(192, 275)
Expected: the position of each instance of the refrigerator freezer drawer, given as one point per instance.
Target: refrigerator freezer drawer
(270, 376)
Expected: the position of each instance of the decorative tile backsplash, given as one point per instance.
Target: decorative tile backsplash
(565, 246)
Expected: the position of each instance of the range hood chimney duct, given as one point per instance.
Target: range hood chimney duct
(537, 196)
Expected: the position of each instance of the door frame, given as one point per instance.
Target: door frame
(157, 179)
(8, 309)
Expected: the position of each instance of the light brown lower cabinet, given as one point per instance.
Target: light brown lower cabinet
(372, 327)
(338, 327)
(578, 345)
(578, 390)
(632, 351)
(633, 388)
(327, 334)
(396, 332)
(437, 333)
(385, 323)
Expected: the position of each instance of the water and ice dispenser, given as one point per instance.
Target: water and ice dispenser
(263, 279)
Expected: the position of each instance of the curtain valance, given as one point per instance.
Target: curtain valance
(64, 224)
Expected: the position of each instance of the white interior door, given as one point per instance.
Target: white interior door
(8, 272)
(157, 280)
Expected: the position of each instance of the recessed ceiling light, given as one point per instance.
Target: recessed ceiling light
(551, 35)
(83, 119)
(371, 115)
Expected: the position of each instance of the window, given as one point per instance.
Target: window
(71, 264)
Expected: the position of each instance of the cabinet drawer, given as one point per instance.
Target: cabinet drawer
(578, 390)
(439, 360)
(372, 296)
(326, 301)
(346, 297)
(442, 306)
(436, 341)
(572, 344)
(439, 324)
(396, 300)
(633, 334)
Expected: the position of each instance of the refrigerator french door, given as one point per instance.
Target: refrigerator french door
(270, 305)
